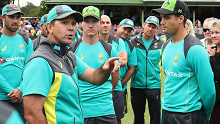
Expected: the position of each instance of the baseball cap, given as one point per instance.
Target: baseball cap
(91, 11)
(172, 7)
(43, 19)
(153, 20)
(127, 23)
(11, 9)
(63, 11)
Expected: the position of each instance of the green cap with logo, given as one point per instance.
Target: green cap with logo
(91, 11)
(173, 7)
(61, 12)
(11, 9)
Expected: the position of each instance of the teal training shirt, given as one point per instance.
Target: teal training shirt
(147, 43)
(96, 100)
(132, 60)
(14, 52)
(147, 71)
(120, 47)
(189, 82)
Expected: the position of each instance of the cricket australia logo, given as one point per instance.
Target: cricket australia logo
(90, 10)
(101, 55)
(156, 45)
(175, 60)
(4, 48)
(166, 3)
(138, 43)
(22, 47)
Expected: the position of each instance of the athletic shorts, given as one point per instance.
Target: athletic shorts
(195, 117)
(125, 96)
(18, 106)
(107, 119)
(118, 102)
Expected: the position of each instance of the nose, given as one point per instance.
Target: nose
(71, 27)
(162, 22)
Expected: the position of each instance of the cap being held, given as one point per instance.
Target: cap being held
(127, 23)
(11, 9)
(61, 12)
(91, 11)
(43, 19)
(173, 7)
(152, 20)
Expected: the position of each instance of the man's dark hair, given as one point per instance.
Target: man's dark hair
(184, 21)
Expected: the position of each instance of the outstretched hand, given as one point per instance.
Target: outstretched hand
(112, 65)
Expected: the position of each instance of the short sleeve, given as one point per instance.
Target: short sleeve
(37, 77)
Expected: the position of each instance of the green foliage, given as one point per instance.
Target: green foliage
(30, 10)
(43, 9)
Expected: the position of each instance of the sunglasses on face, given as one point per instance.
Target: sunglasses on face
(204, 30)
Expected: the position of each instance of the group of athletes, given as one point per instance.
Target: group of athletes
(80, 77)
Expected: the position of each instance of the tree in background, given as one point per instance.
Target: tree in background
(30, 10)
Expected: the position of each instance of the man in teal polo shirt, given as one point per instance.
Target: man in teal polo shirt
(119, 45)
(54, 86)
(96, 100)
(15, 49)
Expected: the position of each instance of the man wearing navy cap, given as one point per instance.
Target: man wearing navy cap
(146, 81)
(54, 85)
(189, 91)
(15, 49)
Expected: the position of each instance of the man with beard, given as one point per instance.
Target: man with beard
(15, 51)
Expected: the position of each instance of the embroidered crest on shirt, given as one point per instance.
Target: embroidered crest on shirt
(156, 45)
(22, 47)
(101, 55)
(175, 60)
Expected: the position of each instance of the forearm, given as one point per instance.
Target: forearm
(123, 59)
(4, 85)
(115, 79)
(128, 75)
(100, 76)
(33, 105)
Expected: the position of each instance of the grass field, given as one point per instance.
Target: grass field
(129, 117)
